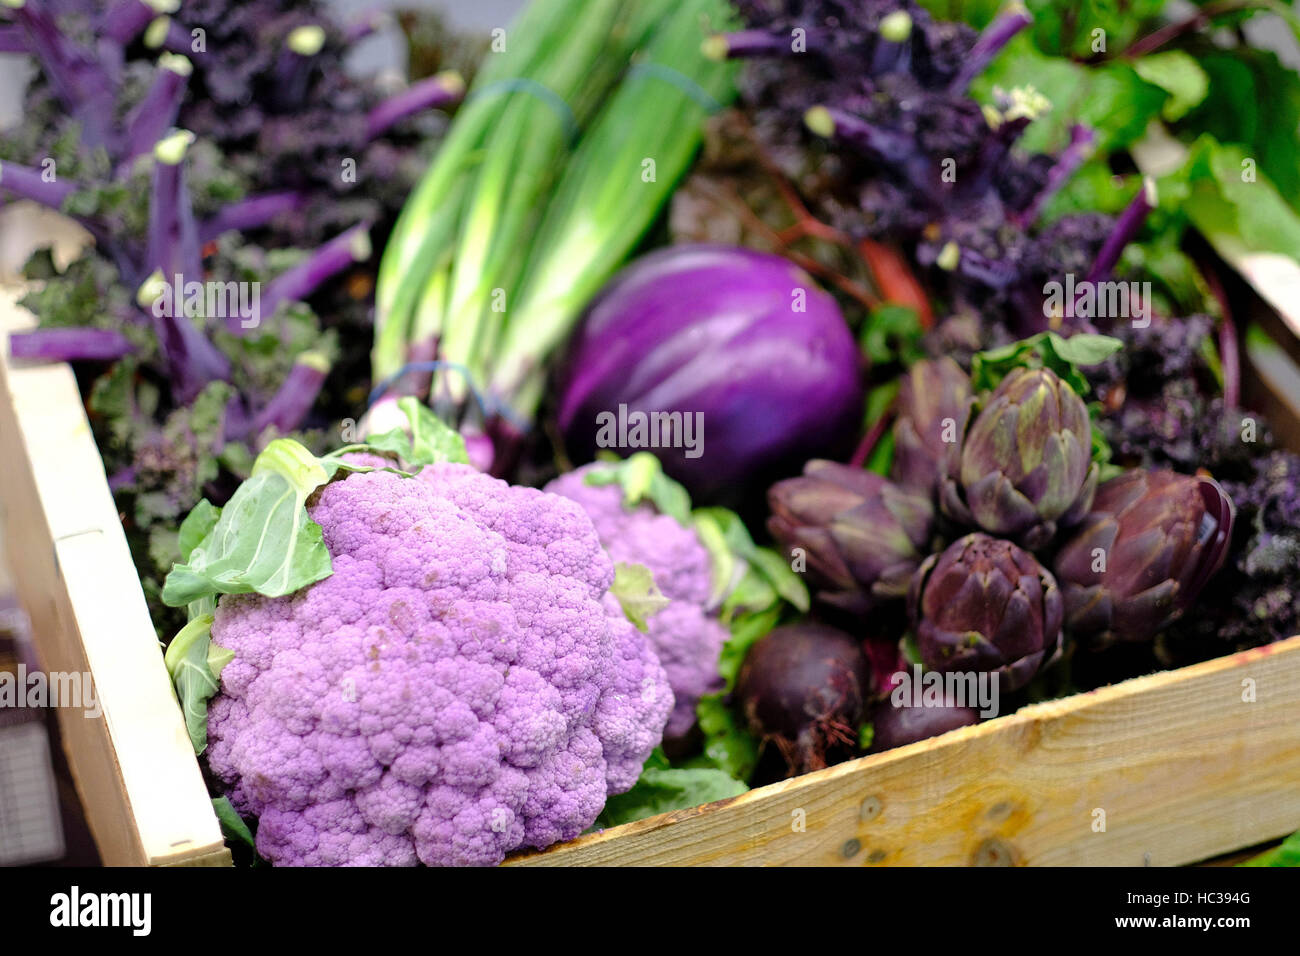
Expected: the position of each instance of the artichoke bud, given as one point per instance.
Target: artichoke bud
(934, 405)
(861, 535)
(987, 606)
(1025, 465)
(1142, 554)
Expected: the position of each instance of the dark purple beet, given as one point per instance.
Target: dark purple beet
(895, 726)
(802, 689)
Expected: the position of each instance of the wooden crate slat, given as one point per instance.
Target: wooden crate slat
(1183, 767)
(140, 785)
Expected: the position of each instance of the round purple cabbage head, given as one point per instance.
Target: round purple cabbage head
(461, 686)
(686, 635)
(985, 605)
(743, 338)
(1141, 556)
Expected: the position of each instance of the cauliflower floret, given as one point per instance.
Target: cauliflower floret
(686, 635)
(461, 686)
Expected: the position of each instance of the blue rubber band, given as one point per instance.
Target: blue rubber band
(680, 80)
(521, 84)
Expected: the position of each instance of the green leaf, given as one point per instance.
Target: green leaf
(892, 333)
(642, 478)
(1084, 348)
(1254, 101)
(1215, 191)
(662, 790)
(432, 440)
(198, 524)
(426, 439)
(1285, 854)
(752, 592)
(745, 576)
(233, 827)
(746, 629)
(866, 734)
(779, 574)
(724, 560)
(186, 660)
(1110, 98)
(727, 745)
(1179, 75)
(635, 588)
(263, 542)
(1045, 350)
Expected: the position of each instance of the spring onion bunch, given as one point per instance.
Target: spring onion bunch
(540, 192)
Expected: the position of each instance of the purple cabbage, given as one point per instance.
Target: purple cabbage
(742, 342)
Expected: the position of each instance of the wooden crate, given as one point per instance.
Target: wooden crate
(134, 767)
(1179, 766)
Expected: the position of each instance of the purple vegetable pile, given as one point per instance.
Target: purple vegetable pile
(670, 447)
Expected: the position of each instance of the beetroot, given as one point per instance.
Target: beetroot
(802, 689)
(895, 725)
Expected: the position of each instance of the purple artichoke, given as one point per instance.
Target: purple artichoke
(934, 402)
(986, 605)
(861, 535)
(1140, 557)
(740, 343)
(1024, 468)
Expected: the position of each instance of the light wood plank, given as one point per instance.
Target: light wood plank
(1183, 767)
(135, 770)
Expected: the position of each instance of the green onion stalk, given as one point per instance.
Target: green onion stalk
(561, 58)
(625, 169)
(514, 228)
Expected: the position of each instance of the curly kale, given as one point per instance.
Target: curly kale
(867, 106)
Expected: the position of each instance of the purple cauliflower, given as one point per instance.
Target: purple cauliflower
(686, 634)
(462, 685)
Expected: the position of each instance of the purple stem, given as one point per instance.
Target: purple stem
(125, 20)
(995, 36)
(76, 76)
(12, 39)
(173, 234)
(27, 183)
(366, 24)
(872, 438)
(1082, 140)
(436, 92)
(1126, 227)
(290, 405)
(157, 111)
(993, 153)
(293, 69)
(746, 43)
(252, 212)
(1229, 347)
(192, 360)
(70, 345)
(340, 253)
(897, 149)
